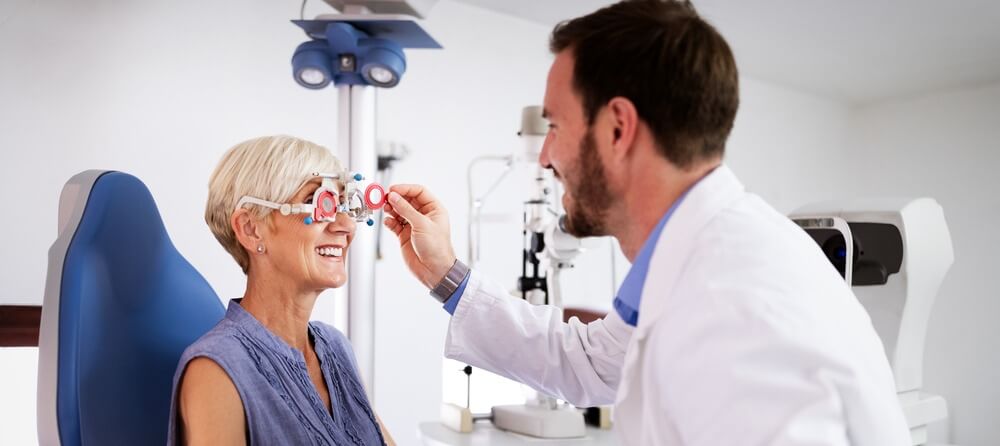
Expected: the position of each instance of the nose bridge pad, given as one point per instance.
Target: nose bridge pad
(352, 204)
(332, 219)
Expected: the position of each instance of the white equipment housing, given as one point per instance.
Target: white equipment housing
(900, 251)
(415, 8)
(542, 416)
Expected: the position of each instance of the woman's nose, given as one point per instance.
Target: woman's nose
(343, 223)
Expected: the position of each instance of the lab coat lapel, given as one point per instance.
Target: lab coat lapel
(714, 193)
(717, 191)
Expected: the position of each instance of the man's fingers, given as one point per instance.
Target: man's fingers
(388, 210)
(393, 225)
(399, 229)
(402, 208)
(419, 196)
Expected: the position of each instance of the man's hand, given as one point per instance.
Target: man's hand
(421, 224)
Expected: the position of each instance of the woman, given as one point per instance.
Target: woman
(265, 374)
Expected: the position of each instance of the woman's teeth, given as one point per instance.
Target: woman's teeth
(330, 252)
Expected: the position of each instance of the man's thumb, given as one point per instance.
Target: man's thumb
(404, 209)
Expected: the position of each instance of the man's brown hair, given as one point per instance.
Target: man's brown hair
(675, 68)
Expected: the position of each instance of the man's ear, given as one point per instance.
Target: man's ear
(247, 229)
(624, 121)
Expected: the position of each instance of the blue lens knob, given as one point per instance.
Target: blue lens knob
(358, 177)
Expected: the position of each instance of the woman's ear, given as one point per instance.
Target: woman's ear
(247, 229)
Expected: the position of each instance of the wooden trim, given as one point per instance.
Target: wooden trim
(586, 316)
(19, 325)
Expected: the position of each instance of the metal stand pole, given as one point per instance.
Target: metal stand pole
(356, 132)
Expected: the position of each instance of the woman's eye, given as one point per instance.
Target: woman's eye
(309, 199)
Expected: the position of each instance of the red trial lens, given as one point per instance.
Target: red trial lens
(375, 196)
(326, 206)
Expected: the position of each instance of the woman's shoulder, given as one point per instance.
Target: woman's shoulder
(205, 390)
(220, 343)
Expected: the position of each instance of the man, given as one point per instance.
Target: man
(731, 327)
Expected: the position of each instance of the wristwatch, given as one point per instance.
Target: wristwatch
(450, 282)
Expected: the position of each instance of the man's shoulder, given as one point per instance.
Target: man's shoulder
(751, 230)
(754, 261)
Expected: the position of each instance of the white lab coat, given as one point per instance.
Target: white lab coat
(746, 336)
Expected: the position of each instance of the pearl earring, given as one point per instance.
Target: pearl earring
(260, 249)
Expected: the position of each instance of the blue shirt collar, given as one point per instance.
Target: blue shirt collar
(630, 293)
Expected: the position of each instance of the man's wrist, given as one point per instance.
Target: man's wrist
(450, 282)
(437, 272)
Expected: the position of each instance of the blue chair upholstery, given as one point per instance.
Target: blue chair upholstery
(121, 309)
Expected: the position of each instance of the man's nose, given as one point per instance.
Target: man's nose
(543, 156)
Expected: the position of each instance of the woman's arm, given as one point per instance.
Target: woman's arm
(211, 411)
(385, 432)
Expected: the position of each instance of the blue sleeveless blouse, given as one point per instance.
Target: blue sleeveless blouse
(280, 403)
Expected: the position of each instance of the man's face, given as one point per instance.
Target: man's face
(571, 151)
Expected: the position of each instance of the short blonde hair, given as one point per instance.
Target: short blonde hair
(272, 168)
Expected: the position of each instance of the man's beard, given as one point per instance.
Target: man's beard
(591, 197)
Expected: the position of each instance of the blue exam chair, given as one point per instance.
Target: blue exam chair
(121, 304)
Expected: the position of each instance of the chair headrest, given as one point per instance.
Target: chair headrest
(128, 305)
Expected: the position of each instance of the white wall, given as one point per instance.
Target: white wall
(781, 137)
(786, 145)
(452, 106)
(947, 146)
(794, 148)
(157, 89)
(160, 90)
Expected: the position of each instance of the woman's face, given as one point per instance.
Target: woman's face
(311, 255)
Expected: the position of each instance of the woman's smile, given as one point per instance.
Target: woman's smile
(332, 252)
